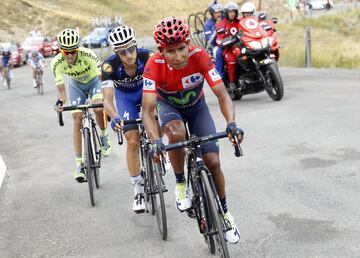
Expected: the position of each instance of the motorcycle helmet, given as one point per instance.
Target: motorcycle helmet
(215, 8)
(248, 7)
(231, 6)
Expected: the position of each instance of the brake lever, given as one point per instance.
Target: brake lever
(60, 116)
(238, 150)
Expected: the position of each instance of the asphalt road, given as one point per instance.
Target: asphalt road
(295, 193)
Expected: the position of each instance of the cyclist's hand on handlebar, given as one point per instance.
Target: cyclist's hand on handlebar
(58, 106)
(157, 149)
(232, 132)
(117, 123)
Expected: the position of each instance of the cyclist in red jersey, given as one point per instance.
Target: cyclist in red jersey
(173, 83)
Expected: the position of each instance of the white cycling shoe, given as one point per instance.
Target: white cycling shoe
(139, 203)
(182, 201)
(232, 236)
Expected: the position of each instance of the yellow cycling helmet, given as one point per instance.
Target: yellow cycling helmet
(68, 39)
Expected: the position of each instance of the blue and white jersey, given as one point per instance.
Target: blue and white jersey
(114, 75)
(210, 32)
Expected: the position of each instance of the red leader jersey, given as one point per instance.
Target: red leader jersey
(184, 87)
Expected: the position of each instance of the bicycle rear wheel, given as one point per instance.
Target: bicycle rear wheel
(8, 80)
(214, 218)
(89, 161)
(159, 202)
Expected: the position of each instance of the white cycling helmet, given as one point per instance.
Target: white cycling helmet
(248, 7)
(121, 36)
(68, 39)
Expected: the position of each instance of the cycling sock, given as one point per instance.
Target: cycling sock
(34, 82)
(78, 162)
(136, 181)
(180, 178)
(224, 204)
(104, 132)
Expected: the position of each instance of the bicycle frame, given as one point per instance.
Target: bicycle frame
(88, 125)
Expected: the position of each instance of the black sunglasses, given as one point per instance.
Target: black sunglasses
(124, 52)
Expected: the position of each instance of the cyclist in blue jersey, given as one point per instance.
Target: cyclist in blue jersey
(6, 61)
(122, 77)
(216, 11)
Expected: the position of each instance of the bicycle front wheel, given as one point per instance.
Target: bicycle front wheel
(214, 218)
(89, 161)
(97, 158)
(158, 186)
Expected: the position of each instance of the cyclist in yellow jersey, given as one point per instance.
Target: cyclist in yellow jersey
(83, 68)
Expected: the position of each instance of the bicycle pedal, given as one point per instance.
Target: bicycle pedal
(191, 213)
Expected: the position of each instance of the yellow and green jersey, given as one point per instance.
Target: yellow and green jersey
(86, 67)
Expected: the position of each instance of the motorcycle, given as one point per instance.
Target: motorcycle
(256, 70)
(269, 26)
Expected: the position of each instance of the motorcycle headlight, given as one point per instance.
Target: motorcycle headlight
(255, 45)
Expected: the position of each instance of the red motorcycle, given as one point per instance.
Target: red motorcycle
(256, 70)
(269, 26)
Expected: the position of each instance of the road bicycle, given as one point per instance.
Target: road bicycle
(152, 173)
(91, 151)
(6, 75)
(39, 80)
(206, 207)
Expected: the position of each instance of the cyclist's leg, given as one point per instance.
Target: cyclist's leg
(77, 97)
(33, 70)
(126, 104)
(96, 96)
(171, 123)
(202, 124)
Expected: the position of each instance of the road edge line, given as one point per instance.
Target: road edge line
(3, 171)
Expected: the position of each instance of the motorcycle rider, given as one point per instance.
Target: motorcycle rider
(227, 28)
(216, 11)
(247, 9)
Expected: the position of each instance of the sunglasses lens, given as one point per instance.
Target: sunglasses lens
(129, 50)
(73, 52)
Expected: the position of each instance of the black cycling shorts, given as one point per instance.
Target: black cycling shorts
(198, 118)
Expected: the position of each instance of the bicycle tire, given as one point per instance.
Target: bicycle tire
(209, 239)
(219, 236)
(150, 179)
(199, 192)
(8, 79)
(161, 211)
(97, 159)
(88, 166)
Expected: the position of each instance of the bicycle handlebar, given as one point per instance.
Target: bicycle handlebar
(81, 107)
(199, 140)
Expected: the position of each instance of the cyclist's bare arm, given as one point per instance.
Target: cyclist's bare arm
(61, 92)
(226, 104)
(108, 96)
(148, 118)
